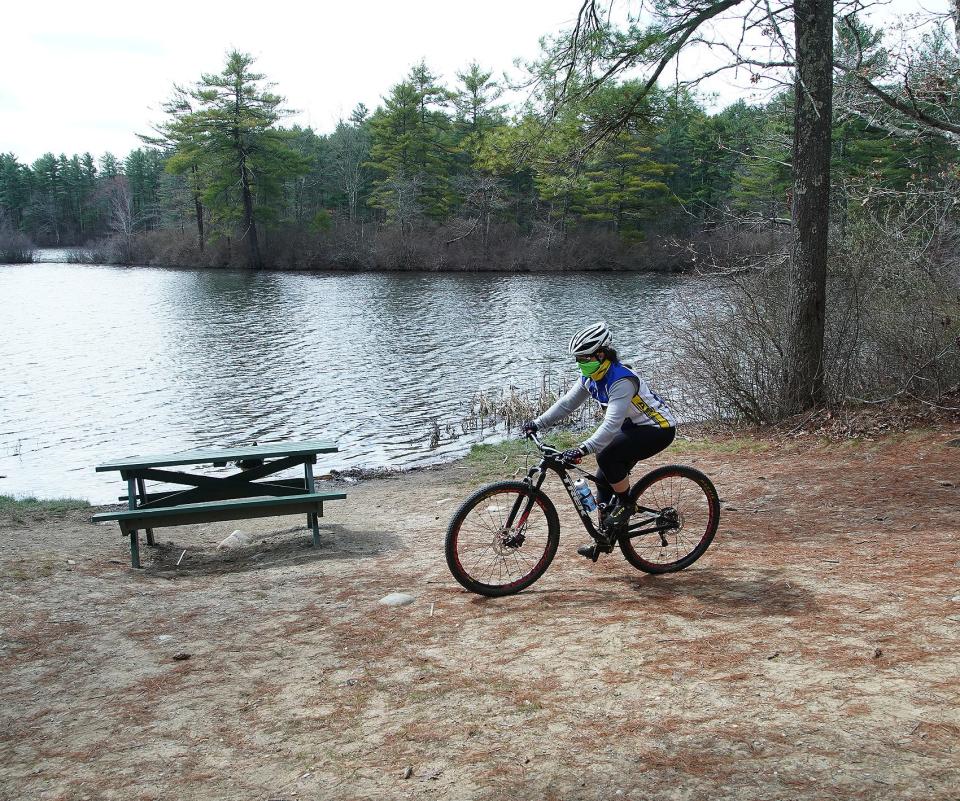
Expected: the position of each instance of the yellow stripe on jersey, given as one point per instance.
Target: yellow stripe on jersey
(650, 412)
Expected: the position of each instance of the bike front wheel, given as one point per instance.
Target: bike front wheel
(677, 515)
(502, 539)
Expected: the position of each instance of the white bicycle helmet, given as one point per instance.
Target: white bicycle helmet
(590, 340)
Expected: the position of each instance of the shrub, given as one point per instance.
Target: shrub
(15, 247)
(892, 319)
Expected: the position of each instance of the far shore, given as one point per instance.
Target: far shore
(506, 269)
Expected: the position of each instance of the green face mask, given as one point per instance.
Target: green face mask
(588, 368)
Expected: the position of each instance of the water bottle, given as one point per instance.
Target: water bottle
(584, 494)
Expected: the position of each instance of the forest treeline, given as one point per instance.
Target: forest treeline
(447, 177)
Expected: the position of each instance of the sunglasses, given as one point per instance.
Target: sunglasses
(591, 358)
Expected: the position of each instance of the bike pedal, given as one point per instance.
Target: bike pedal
(592, 552)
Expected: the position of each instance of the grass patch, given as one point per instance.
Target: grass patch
(52, 505)
(39, 567)
(25, 509)
(503, 458)
(720, 445)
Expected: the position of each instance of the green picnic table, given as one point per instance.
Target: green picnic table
(245, 494)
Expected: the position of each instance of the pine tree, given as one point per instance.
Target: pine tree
(14, 190)
(477, 109)
(143, 168)
(625, 186)
(350, 153)
(187, 168)
(109, 166)
(763, 182)
(412, 152)
(45, 214)
(229, 136)
(306, 193)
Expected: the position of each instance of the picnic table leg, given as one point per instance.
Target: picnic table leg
(312, 517)
(141, 488)
(134, 536)
(134, 547)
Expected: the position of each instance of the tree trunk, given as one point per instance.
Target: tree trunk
(197, 206)
(250, 227)
(811, 204)
(198, 210)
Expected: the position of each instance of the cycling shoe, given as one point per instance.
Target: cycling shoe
(593, 550)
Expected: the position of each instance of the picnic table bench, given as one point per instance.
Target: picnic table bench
(237, 496)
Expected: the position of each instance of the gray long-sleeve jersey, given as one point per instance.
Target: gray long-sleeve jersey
(629, 398)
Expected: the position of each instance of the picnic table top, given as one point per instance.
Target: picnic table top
(216, 455)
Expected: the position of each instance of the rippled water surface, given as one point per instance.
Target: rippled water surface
(103, 362)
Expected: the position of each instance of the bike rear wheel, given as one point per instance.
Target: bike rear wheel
(686, 512)
(498, 542)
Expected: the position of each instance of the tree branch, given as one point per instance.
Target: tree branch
(911, 110)
(684, 31)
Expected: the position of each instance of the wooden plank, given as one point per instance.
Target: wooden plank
(134, 549)
(216, 488)
(244, 505)
(211, 455)
(174, 516)
(134, 534)
(295, 483)
(141, 494)
(312, 520)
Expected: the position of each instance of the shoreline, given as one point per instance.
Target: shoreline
(850, 427)
(684, 269)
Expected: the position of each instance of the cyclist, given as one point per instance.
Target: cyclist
(636, 425)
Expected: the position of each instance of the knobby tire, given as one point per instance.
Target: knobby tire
(475, 549)
(698, 505)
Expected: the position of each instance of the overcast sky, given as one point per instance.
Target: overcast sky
(89, 76)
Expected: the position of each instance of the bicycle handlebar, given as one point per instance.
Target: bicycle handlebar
(547, 450)
(541, 445)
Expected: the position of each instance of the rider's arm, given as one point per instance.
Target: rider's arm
(621, 398)
(574, 398)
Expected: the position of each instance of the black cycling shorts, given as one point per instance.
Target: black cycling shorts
(628, 447)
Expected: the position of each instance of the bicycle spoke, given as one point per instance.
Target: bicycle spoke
(682, 503)
(494, 553)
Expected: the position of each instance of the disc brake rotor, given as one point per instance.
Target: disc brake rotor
(505, 542)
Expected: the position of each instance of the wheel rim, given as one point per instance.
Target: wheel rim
(493, 555)
(685, 507)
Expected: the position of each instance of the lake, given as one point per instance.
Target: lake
(101, 362)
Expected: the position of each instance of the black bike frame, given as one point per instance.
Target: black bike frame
(538, 474)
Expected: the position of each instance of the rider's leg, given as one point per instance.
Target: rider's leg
(615, 462)
(604, 490)
(632, 445)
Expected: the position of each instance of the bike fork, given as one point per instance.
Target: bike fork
(526, 503)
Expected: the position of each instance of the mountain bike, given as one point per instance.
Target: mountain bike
(504, 536)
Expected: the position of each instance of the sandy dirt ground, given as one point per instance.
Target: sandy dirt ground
(812, 653)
